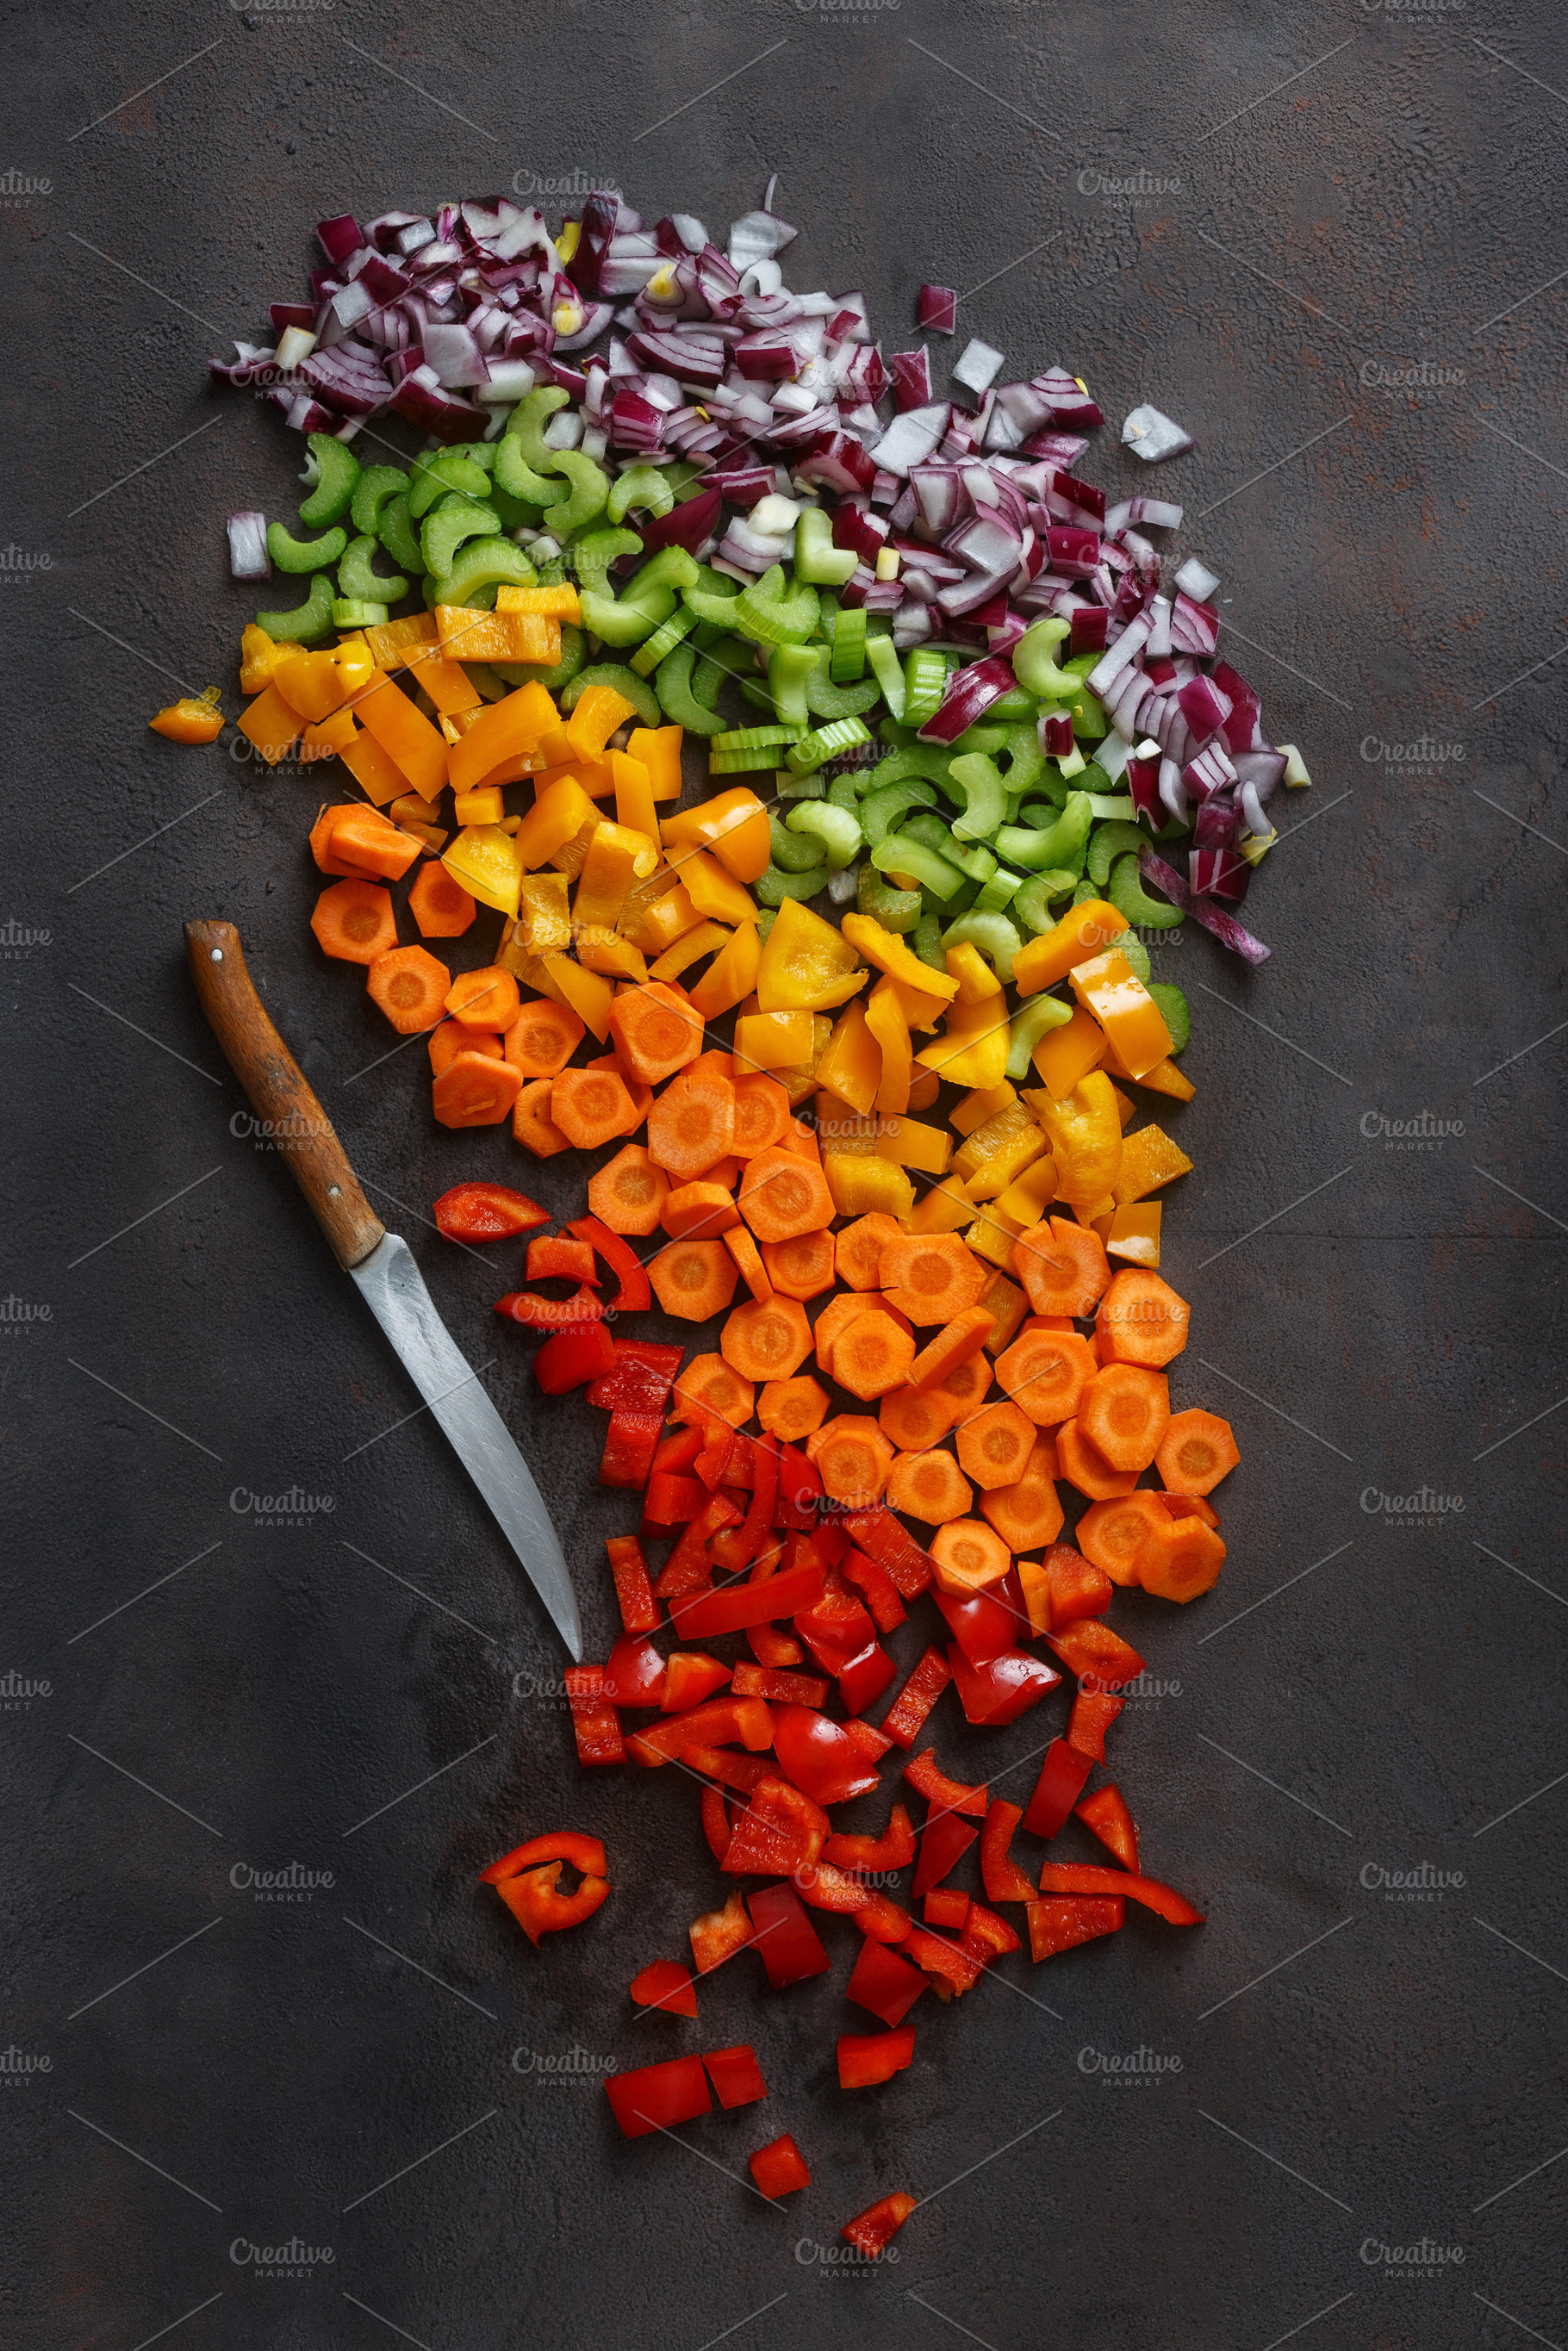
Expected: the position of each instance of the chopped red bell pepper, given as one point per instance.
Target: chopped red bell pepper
(719, 1722)
(571, 1357)
(927, 1779)
(1003, 1878)
(670, 1500)
(986, 1937)
(665, 1983)
(715, 1822)
(879, 1535)
(631, 1442)
(863, 1679)
(553, 1257)
(539, 1910)
(819, 1756)
(881, 1920)
(944, 1841)
(871, 2231)
(636, 1294)
(835, 1627)
(894, 1849)
(1093, 1712)
(641, 1379)
(905, 1716)
(537, 1313)
(948, 1907)
(770, 1648)
(1077, 1588)
(1105, 1811)
(1096, 1655)
(1003, 1689)
(735, 2075)
(586, 1855)
(750, 1540)
(779, 2167)
(725, 1459)
(742, 1605)
(718, 1935)
(779, 1831)
(657, 2097)
(1058, 1925)
(880, 1591)
(884, 1984)
(867, 2058)
(634, 1592)
(486, 1212)
(952, 1970)
(1058, 1789)
(983, 1626)
(595, 1725)
(634, 1673)
(745, 1771)
(827, 1888)
(790, 1689)
(688, 1567)
(790, 1945)
(1078, 1877)
(870, 1745)
(799, 1495)
(677, 1452)
(690, 1677)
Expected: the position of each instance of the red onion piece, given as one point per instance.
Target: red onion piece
(939, 310)
(969, 692)
(248, 559)
(1225, 927)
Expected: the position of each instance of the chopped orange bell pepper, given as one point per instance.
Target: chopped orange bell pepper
(194, 718)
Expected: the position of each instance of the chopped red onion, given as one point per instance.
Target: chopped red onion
(1225, 927)
(1195, 628)
(911, 438)
(939, 310)
(1151, 435)
(1208, 773)
(1157, 512)
(340, 236)
(1196, 580)
(248, 559)
(977, 367)
(969, 692)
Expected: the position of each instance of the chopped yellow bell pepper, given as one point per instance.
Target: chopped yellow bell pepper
(841, 1127)
(884, 1020)
(659, 749)
(983, 1103)
(270, 724)
(734, 825)
(909, 1143)
(1086, 1139)
(974, 1050)
(1126, 1109)
(407, 736)
(992, 1237)
(601, 949)
(942, 1209)
(544, 921)
(259, 656)
(1109, 988)
(335, 733)
(469, 636)
(707, 939)
(521, 722)
(711, 890)
(888, 952)
(1149, 1158)
(559, 813)
(588, 994)
(616, 859)
(806, 965)
(484, 862)
(485, 804)
(527, 970)
(1083, 933)
(661, 920)
(852, 1066)
(634, 804)
(997, 1152)
(596, 716)
(772, 1040)
(194, 718)
(729, 976)
(561, 602)
(924, 1086)
(1029, 1195)
(863, 1187)
(1165, 1078)
(1134, 1235)
(921, 1009)
(375, 771)
(391, 643)
(313, 684)
(446, 682)
(1064, 1055)
(975, 979)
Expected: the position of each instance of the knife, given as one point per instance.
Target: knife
(380, 1265)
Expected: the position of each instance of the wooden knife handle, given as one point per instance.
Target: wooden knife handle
(278, 1093)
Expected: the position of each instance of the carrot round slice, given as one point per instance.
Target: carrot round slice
(753, 1272)
(1112, 1535)
(709, 1385)
(532, 1125)
(1140, 1320)
(995, 1444)
(656, 1030)
(589, 1106)
(858, 1249)
(1046, 1371)
(913, 1422)
(1062, 1266)
(487, 999)
(475, 1091)
(542, 1038)
(932, 1276)
(1084, 1466)
(1126, 1411)
(930, 1487)
(354, 922)
(767, 1343)
(793, 1409)
(451, 1039)
(761, 1115)
(410, 988)
(968, 1556)
(783, 1195)
(1028, 1515)
(852, 1462)
(441, 907)
(968, 1385)
(1196, 1452)
(629, 1194)
(872, 1354)
(1181, 1560)
(692, 1125)
(694, 1280)
(698, 1211)
(802, 1267)
(963, 1337)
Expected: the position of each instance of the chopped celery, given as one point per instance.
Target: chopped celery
(833, 828)
(984, 798)
(644, 486)
(1174, 1011)
(1031, 904)
(673, 683)
(1034, 661)
(928, 943)
(899, 853)
(883, 655)
(1109, 841)
(924, 683)
(621, 623)
(880, 811)
(1061, 843)
(754, 738)
(842, 792)
(664, 638)
(826, 700)
(764, 611)
(922, 759)
(798, 788)
(992, 933)
(1126, 894)
(1113, 806)
(789, 852)
(848, 664)
(621, 680)
(775, 886)
(816, 556)
(999, 892)
(825, 743)
(1033, 1019)
(895, 910)
(789, 667)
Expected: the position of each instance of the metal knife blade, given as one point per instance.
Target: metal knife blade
(394, 1288)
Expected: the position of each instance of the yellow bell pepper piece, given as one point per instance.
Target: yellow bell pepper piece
(604, 950)
(888, 952)
(801, 1078)
(974, 1051)
(527, 970)
(885, 1019)
(983, 1103)
(519, 722)
(734, 825)
(544, 921)
(841, 1127)
(660, 921)
(712, 890)
(270, 724)
(559, 812)
(313, 684)
(483, 860)
(446, 682)
(335, 733)
(852, 1066)
(992, 1237)
(908, 1144)
(1064, 1055)
(705, 940)
(921, 1009)
(194, 718)
(1126, 1109)
(997, 1152)
(1109, 988)
(975, 979)
(1086, 1139)
(1165, 1078)
(599, 713)
(391, 643)
(616, 858)
(1149, 1158)
(485, 804)
(863, 1187)
(807, 966)
(659, 749)
(1083, 933)
(730, 975)
(924, 1088)
(634, 804)
(1134, 1235)
(559, 603)
(407, 736)
(942, 1209)
(466, 635)
(588, 992)
(377, 774)
(1029, 1195)
(259, 656)
(772, 1040)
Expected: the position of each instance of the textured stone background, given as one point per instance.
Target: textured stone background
(1349, 191)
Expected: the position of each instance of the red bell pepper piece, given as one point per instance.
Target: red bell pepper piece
(665, 1983)
(944, 1842)
(636, 1294)
(718, 1935)
(689, 1678)
(878, 1588)
(986, 1937)
(750, 1540)
(715, 1822)
(1058, 1925)
(770, 1648)
(870, 1745)
(631, 1442)
(745, 1771)
(688, 1568)
(735, 2075)
(779, 2167)
(983, 1626)
(553, 1257)
(634, 1594)
(595, 1725)
(1004, 1880)
(884, 1984)
(486, 1212)
(725, 1459)
(799, 1496)
(929, 1780)
(946, 1962)
(1096, 1655)
(537, 1313)
(677, 1452)
(1077, 1588)
(948, 1907)
(635, 1675)
(867, 2058)
(894, 1849)
(571, 1357)
(871, 2231)
(879, 1535)
(539, 1910)
(1093, 1712)
(1058, 1789)
(657, 2097)
(790, 1689)
(720, 1722)
(670, 1500)
(1105, 1811)
(835, 1627)
(641, 1379)
(740, 1604)
(585, 1853)
(1003, 1689)
(905, 1716)
(881, 1921)
(779, 1831)
(819, 1756)
(863, 1681)
(1077, 1877)
(790, 1945)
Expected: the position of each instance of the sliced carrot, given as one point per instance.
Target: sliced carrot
(793, 1409)
(1062, 1266)
(782, 1195)
(1028, 1514)
(1188, 1506)
(475, 1091)
(995, 1444)
(801, 1267)
(858, 1249)
(968, 1555)
(640, 1096)
(692, 1122)
(542, 1037)
(532, 1125)
(930, 1487)
(487, 999)
(725, 1171)
(913, 1421)
(968, 1385)
(589, 1106)
(698, 1211)
(694, 1280)
(1111, 1535)
(656, 1030)
(1126, 1411)
(851, 1460)
(712, 1063)
(1181, 1560)
(932, 1276)
(964, 1336)
(1196, 1452)
(801, 1140)
(1084, 1466)
(441, 907)
(1140, 1320)
(761, 1115)
(767, 1342)
(1007, 1307)
(753, 1272)
(451, 1039)
(410, 987)
(1046, 1371)
(354, 922)
(871, 1356)
(709, 1385)
(836, 1316)
(629, 1194)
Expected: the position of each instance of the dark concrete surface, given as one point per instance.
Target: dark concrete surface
(362, 1697)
